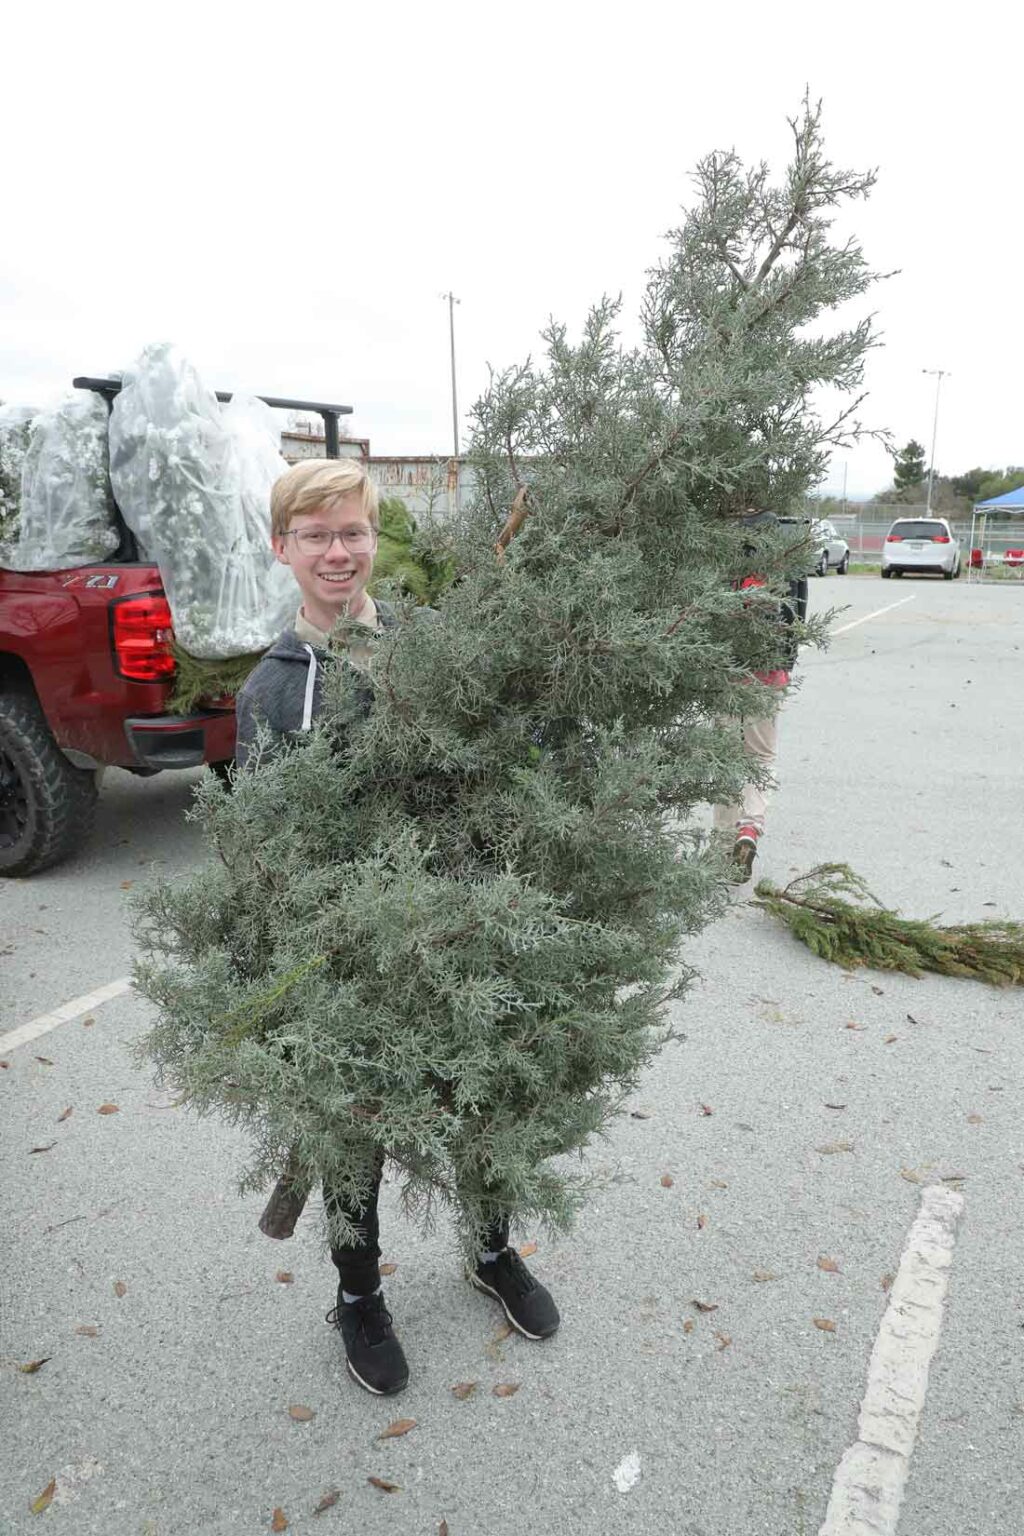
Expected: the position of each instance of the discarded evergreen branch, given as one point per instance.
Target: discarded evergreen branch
(861, 931)
(197, 681)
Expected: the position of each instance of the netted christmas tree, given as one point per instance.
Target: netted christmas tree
(448, 921)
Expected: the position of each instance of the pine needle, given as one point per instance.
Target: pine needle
(196, 680)
(861, 931)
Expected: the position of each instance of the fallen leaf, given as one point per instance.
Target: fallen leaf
(527, 1250)
(831, 1147)
(120, 1289)
(388, 1269)
(762, 1276)
(64, 1114)
(911, 1175)
(988, 903)
(706, 1109)
(825, 1324)
(284, 1277)
(719, 1184)
(689, 1325)
(107, 1109)
(635, 1114)
(886, 1282)
(723, 1339)
(328, 1501)
(852, 1025)
(88, 1331)
(45, 1499)
(126, 885)
(890, 1039)
(505, 1389)
(912, 1020)
(828, 1265)
(464, 1389)
(667, 1181)
(279, 1521)
(45, 1061)
(5, 1065)
(973, 1119)
(702, 1222)
(442, 1529)
(384, 1485)
(300, 1413)
(877, 991)
(705, 1306)
(49, 1145)
(501, 1332)
(398, 1428)
(953, 1178)
(33, 1366)
(89, 1022)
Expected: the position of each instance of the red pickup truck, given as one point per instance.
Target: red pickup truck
(86, 670)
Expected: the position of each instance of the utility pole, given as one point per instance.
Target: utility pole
(452, 301)
(938, 374)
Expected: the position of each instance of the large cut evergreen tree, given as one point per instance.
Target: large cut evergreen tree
(450, 922)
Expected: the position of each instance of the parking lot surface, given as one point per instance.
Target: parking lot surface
(692, 1388)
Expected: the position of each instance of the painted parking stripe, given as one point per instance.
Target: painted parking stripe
(64, 1014)
(868, 1488)
(876, 615)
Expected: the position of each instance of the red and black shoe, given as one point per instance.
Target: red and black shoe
(744, 852)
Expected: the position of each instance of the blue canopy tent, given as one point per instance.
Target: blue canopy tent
(1012, 503)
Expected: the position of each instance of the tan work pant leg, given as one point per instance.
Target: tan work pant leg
(761, 739)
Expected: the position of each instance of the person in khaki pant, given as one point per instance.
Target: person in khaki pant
(744, 821)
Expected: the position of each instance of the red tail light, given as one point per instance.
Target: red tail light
(940, 538)
(894, 538)
(142, 638)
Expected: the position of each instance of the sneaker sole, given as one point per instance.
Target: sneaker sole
(474, 1280)
(377, 1391)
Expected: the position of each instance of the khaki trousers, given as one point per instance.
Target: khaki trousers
(761, 739)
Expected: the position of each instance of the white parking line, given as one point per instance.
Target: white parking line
(876, 615)
(62, 1015)
(868, 1488)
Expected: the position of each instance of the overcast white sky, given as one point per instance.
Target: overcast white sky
(287, 192)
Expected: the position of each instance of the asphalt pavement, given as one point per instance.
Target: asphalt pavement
(692, 1388)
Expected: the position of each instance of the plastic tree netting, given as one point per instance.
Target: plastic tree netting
(67, 515)
(193, 483)
(15, 427)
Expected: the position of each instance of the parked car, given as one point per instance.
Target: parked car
(828, 547)
(919, 544)
(86, 672)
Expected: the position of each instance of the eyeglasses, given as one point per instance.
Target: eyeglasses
(317, 541)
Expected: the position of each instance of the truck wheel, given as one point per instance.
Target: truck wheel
(46, 805)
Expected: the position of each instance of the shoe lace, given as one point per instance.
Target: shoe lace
(517, 1272)
(374, 1318)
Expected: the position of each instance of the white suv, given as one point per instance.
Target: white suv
(921, 544)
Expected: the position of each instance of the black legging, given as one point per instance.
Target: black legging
(359, 1265)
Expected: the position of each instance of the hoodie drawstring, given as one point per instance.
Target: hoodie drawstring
(307, 706)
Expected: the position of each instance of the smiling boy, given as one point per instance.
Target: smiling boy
(324, 521)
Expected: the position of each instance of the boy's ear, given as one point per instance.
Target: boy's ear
(279, 545)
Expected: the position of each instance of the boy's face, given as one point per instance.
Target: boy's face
(332, 578)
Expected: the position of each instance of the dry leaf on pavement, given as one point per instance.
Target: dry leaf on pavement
(853, 1025)
(284, 1277)
(835, 1106)
(527, 1250)
(828, 1265)
(279, 1520)
(502, 1332)
(719, 1184)
(88, 1331)
(399, 1427)
(45, 1061)
(973, 1119)
(723, 1339)
(126, 885)
(388, 1269)
(890, 1039)
(762, 1276)
(886, 1282)
(45, 1498)
(705, 1306)
(48, 1148)
(464, 1389)
(64, 1114)
(107, 1109)
(831, 1147)
(33, 1366)
(640, 1114)
(505, 1389)
(689, 1325)
(383, 1484)
(442, 1529)
(706, 1109)
(300, 1413)
(89, 1022)
(911, 1175)
(825, 1324)
(667, 1181)
(328, 1501)
(120, 1289)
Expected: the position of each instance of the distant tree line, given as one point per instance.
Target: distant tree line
(953, 496)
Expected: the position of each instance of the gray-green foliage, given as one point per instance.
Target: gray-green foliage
(450, 925)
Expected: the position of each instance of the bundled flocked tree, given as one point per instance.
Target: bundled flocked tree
(450, 922)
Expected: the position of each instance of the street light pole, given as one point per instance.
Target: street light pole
(452, 301)
(938, 374)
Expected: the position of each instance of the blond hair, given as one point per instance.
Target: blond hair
(317, 483)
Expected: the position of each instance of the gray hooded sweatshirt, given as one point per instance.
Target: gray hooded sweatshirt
(285, 690)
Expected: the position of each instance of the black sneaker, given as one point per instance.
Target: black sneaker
(372, 1353)
(528, 1304)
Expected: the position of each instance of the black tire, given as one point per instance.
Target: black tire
(844, 565)
(223, 771)
(948, 575)
(886, 573)
(899, 574)
(46, 804)
(821, 569)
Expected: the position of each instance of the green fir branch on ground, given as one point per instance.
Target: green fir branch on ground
(861, 931)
